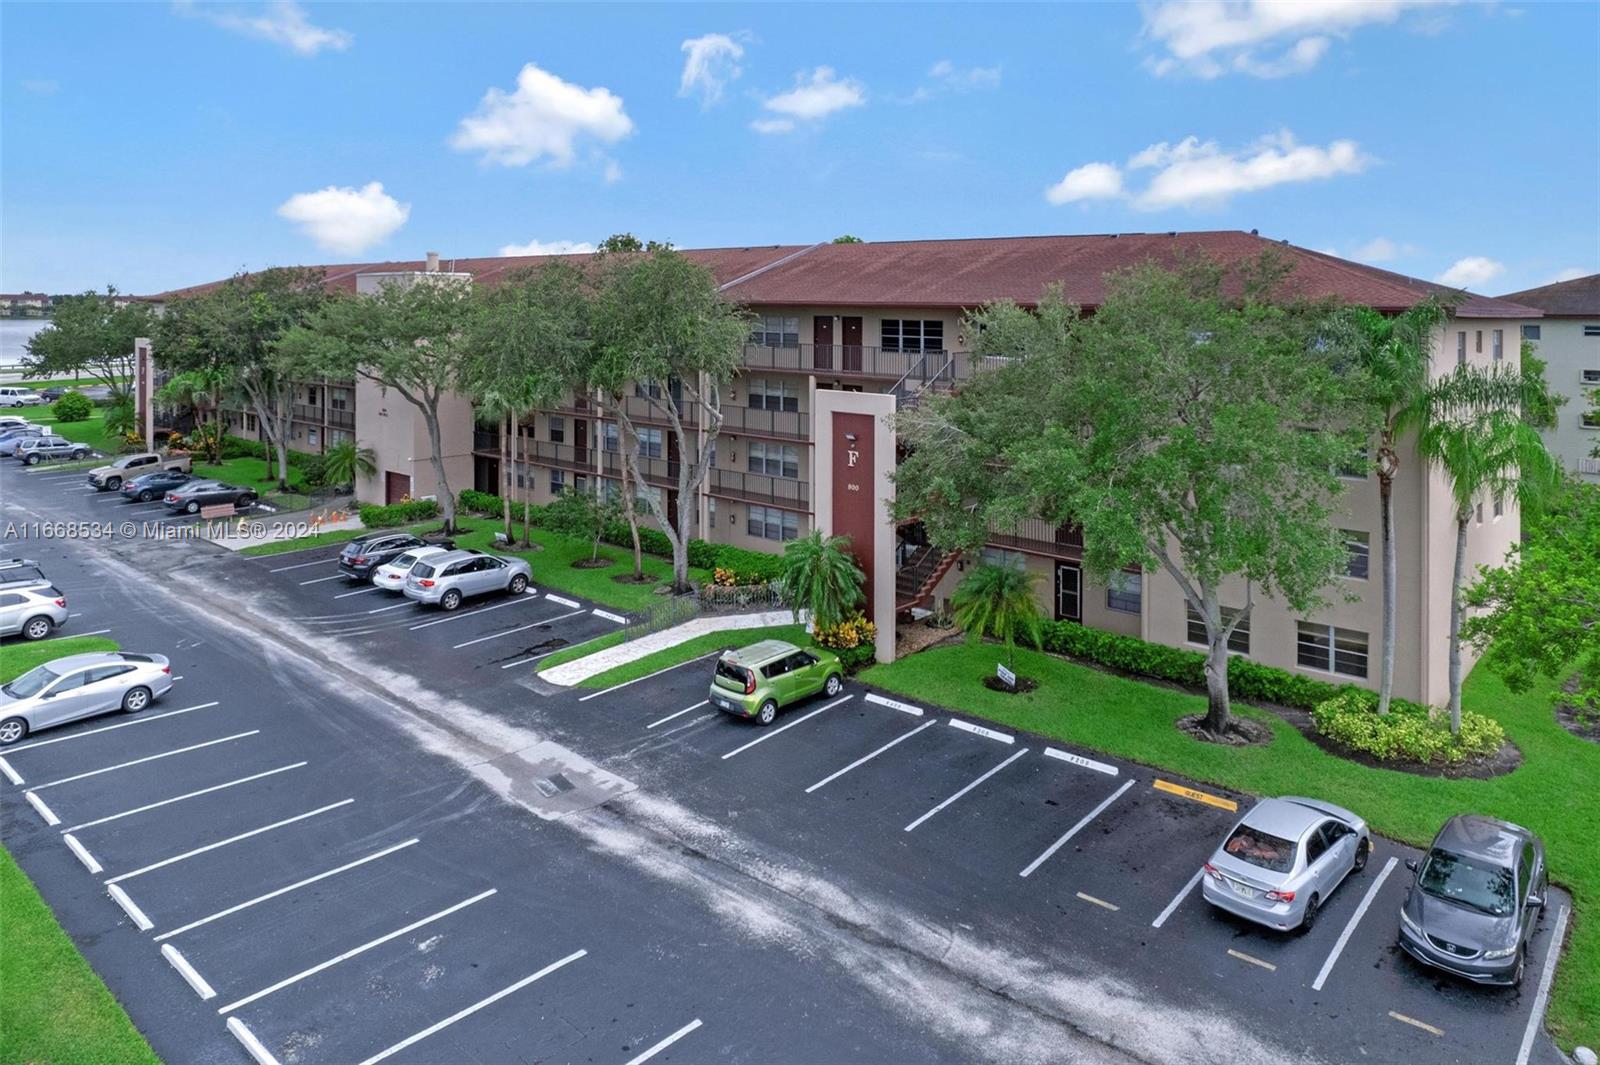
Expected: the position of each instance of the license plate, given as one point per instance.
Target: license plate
(724, 703)
(1240, 889)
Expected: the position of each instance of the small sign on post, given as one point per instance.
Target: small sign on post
(1005, 675)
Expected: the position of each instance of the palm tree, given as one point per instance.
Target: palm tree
(201, 389)
(820, 575)
(998, 601)
(1486, 449)
(344, 460)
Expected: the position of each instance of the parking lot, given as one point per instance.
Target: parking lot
(343, 897)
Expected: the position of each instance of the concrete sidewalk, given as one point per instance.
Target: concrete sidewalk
(290, 525)
(581, 669)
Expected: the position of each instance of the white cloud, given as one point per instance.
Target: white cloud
(1262, 38)
(1471, 272)
(280, 22)
(710, 63)
(543, 117)
(552, 247)
(346, 219)
(41, 86)
(814, 97)
(1091, 181)
(963, 79)
(772, 125)
(1571, 273)
(1377, 250)
(1195, 173)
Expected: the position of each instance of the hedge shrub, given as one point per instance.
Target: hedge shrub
(1408, 733)
(749, 567)
(379, 516)
(857, 657)
(73, 407)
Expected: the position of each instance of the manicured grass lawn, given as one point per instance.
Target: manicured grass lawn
(91, 431)
(1552, 793)
(250, 472)
(694, 648)
(56, 1008)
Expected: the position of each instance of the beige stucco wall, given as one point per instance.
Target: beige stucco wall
(1568, 353)
(397, 433)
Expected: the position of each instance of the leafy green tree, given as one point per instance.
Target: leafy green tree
(73, 407)
(121, 419)
(847, 239)
(91, 334)
(999, 601)
(1541, 407)
(1486, 450)
(820, 575)
(1539, 615)
(200, 390)
(584, 514)
(626, 242)
(344, 460)
(1193, 425)
(664, 332)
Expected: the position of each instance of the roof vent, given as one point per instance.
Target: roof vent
(1172, 232)
(1255, 232)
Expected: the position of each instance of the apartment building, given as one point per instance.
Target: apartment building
(844, 335)
(1568, 339)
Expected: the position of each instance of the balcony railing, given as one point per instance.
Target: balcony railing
(641, 409)
(305, 412)
(789, 424)
(843, 360)
(658, 471)
(343, 419)
(566, 456)
(1043, 538)
(486, 440)
(761, 488)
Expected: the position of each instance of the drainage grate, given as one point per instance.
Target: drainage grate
(552, 785)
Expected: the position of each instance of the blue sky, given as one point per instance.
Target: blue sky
(155, 145)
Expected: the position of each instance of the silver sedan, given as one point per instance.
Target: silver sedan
(1284, 859)
(80, 686)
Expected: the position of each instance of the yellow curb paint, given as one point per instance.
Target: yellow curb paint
(1198, 796)
(1113, 907)
(1267, 965)
(1403, 1019)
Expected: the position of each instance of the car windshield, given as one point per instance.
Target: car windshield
(30, 683)
(1477, 885)
(405, 561)
(1259, 848)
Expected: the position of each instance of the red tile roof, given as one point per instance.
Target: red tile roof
(1578, 298)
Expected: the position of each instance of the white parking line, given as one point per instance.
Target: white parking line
(893, 704)
(665, 1043)
(11, 774)
(831, 777)
(1350, 925)
(966, 789)
(187, 971)
(225, 842)
(1177, 899)
(358, 591)
(304, 565)
(519, 628)
(474, 1008)
(142, 719)
(181, 798)
(82, 853)
(231, 910)
(386, 609)
(74, 635)
(523, 598)
(527, 661)
(765, 736)
(252, 1046)
(135, 914)
(44, 811)
(1079, 760)
(1536, 1018)
(320, 580)
(979, 730)
(1075, 829)
(609, 616)
(647, 676)
(146, 758)
(561, 599)
(355, 951)
(680, 713)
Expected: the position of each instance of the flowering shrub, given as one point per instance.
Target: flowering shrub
(1408, 733)
(852, 632)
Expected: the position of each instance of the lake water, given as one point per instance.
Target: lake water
(14, 334)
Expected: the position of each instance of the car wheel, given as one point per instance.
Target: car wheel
(135, 699)
(37, 628)
(145, 497)
(1363, 852)
(113, 483)
(32, 460)
(832, 685)
(12, 729)
(1522, 965)
(80, 454)
(1309, 920)
(768, 713)
(246, 500)
(519, 584)
(192, 508)
(450, 600)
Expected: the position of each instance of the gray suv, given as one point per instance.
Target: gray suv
(32, 452)
(32, 612)
(445, 580)
(1476, 900)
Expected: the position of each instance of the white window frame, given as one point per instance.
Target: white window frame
(1329, 647)
(1192, 618)
(1126, 587)
(1358, 545)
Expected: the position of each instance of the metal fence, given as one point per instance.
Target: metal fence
(717, 598)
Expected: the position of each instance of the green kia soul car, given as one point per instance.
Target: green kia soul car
(758, 680)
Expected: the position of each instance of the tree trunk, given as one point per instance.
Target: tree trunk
(527, 487)
(447, 503)
(1455, 621)
(1386, 665)
(505, 476)
(1216, 668)
(631, 486)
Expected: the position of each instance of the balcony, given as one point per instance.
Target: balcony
(640, 409)
(786, 424)
(761, 488)
(341, 419)
(305, 412)
(658, 471)
(846, 360)
(1042, 538)
(563, 456)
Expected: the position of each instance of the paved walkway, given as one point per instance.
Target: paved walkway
(287, 526)
(580, 669)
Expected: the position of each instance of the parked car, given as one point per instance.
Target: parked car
(21, 573)
(192, 495)
(366, 553)
(79, 686)
(32, 612)
(17, 396)
(35, 450)
(109, 478)
(392, 574)
(9, 422)
(1284, 859)
(759, 680)
(50, 395)
(1476, 899)
(445, 580)
(10, 438)
(153, 485)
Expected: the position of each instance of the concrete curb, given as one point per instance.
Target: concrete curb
(581, 669)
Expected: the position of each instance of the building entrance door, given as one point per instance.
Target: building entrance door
(580, 440)
(1069, 592)
(852, 344)
(822, 342)
(396, 486)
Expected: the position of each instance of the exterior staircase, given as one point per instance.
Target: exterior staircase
(915, 581)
